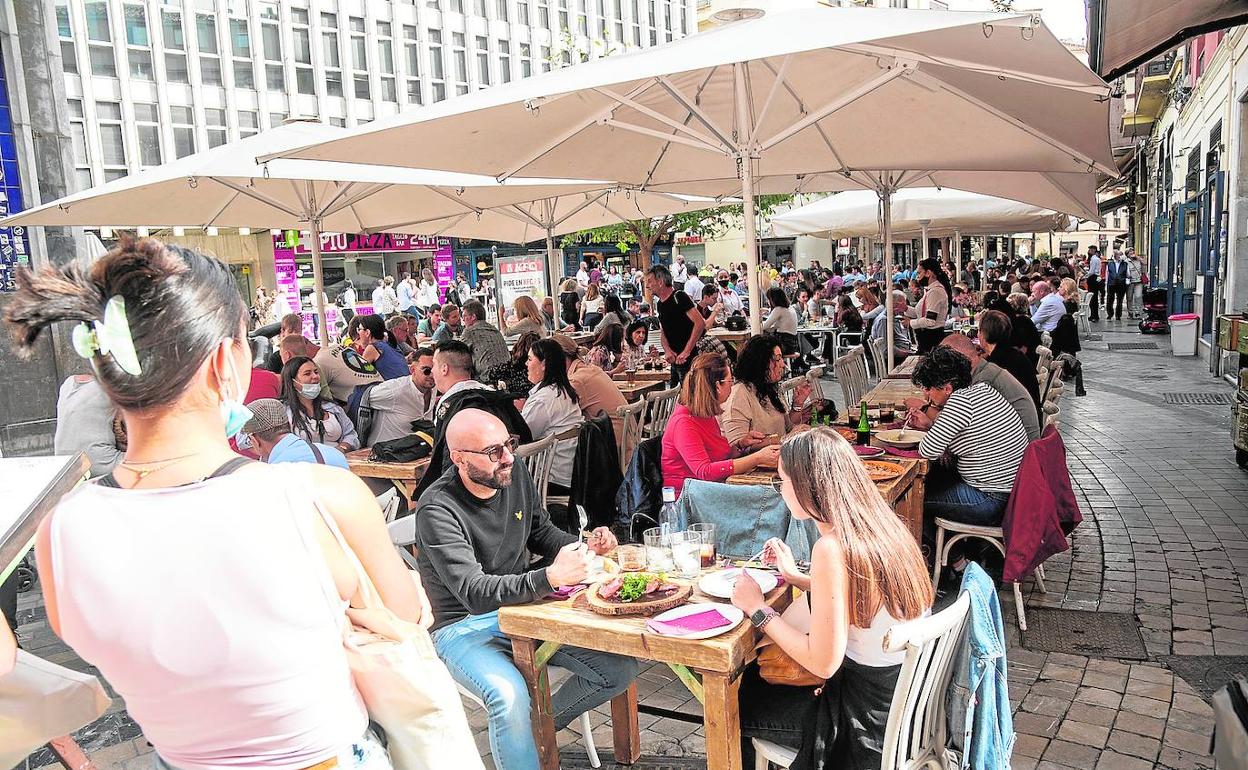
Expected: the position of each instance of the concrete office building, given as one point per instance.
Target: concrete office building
(148, 81)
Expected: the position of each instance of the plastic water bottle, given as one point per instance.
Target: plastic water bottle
(669, 522)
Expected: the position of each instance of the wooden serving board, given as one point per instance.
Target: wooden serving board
(640, 607)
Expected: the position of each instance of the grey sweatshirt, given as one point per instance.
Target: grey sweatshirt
(474, 554)
(84, 423)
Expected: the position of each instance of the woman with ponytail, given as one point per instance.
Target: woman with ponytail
(933, 309)
(229, 650)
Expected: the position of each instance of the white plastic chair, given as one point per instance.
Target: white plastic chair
(845, 342)
(788, 386)
(879, 356)
(915, 735)
(571, 434)
(586, 728)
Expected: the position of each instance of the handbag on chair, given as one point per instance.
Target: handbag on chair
(404, 685)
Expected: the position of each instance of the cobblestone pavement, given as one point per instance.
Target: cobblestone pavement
(1164, 538)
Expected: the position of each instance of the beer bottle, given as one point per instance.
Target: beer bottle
(864, 426)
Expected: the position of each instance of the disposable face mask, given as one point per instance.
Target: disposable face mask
(310, 390)
(233, 413)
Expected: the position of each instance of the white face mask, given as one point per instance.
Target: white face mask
(310, 390)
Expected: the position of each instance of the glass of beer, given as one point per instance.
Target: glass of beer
(706, 534)
(887, 413)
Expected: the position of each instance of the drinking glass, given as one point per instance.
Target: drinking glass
(706, 533)
(658, 550)
(687, 554)
(631, 558)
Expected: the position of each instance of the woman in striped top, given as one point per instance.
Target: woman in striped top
(981, 434)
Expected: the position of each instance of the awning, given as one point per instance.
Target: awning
(1123, 34)
(1116, 202)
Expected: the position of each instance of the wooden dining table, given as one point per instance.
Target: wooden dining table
(730, 336)
(404, 476)
(893, 391)
(639, 388)
(904, 493)
(904, 370)
(709, 668)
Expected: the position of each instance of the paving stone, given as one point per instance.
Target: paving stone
(1072, 754)
(1084, 733)
(1140, 724)
(1111, 760)
(1140, 746)
(1030, 745)
(1095, 715)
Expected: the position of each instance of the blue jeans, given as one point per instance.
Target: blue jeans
(478, 656)
(961, 502)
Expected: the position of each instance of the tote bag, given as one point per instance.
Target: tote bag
(40, 701)
(404, 685)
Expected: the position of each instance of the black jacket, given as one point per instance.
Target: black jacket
(641, 494)
(595, 472)
(498, 404)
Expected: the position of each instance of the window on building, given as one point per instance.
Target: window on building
(271, 10)
(271, 37)
(526, 60)
(411, 51)
(362, 90)
(175, 68)
(240, 47)
(244, 75)
(546, 59)
(478, 8)
(103, 62)
(333, 82)
(274, 77)
(215, 121)
(248, 123)
(385, 51)
(617, 15)
(64, 31)
(112, 142)
(457, 6)
(483, 60)
(684, 18)
(78, 142)
(138, 43)
(97, 22)
(563, 17)
(500, 11)
(339, 122)
(329, 49)
(582, 18)
(459, 58)
(206, 33)
(1192, 185)
(276, 119)
(436, 70)
(299, 16)
(171, 30)
(148, 129)
(504, 61)
(305, 81)
(389, 90)
(434, 4)
(543, 14)
(522, 13)
(301, 38)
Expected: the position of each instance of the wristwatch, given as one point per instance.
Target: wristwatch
(762, 616)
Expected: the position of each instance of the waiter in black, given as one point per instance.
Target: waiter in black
(680, 323)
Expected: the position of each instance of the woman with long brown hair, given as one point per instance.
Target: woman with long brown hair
(867, 574)
(529, 318)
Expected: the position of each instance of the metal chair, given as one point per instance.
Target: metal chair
(539, 456)
(631, 416)
(659, 406)
(851, 372)
(879, 356)
(916, 732)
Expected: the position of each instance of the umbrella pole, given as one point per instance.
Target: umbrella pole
(926, 244)
(955, 250)
(318, 282)
(886, 200)
(550, 261)
(751, 244)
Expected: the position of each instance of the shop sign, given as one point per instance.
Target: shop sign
(298, 243)
(14, 248)
(689, 240)
(517, 276)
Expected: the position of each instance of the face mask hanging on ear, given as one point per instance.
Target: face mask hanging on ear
(233, 413)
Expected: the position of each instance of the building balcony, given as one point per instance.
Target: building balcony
(1159, 76)
(1135, 124)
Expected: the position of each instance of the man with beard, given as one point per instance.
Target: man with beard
(478, 528)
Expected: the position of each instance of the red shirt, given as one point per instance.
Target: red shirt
(264, 384)
(694, 447)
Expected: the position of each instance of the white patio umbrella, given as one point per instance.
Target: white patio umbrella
(225, 187)
(806, 100)
(922, 212)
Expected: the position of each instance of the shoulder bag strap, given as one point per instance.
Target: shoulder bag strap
(316, 452)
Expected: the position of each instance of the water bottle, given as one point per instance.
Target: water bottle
(669, 522)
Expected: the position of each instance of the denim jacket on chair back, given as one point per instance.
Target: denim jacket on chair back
(981, 728)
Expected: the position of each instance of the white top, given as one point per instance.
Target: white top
(781, 320)
(548, 411)
(427, 294)
(396, 403)
(592, 305)
(231, 655)
(865, 646)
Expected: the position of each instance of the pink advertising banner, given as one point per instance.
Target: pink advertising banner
(359, 243)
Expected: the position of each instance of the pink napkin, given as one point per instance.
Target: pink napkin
(866, 451)
(892, 450)
(563, 592)
(689, 624)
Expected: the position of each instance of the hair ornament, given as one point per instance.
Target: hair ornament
(109, 337)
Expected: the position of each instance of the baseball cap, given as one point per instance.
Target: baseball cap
(266, 414)
(565, 342)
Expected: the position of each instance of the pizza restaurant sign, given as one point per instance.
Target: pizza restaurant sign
(298, 243)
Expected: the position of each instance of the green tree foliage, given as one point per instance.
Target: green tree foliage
(646, 233)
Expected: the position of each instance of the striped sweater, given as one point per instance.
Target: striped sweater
(983, 433)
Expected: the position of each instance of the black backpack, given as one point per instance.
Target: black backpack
(407, 449)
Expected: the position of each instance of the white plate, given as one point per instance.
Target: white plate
(720, 584)
(727, 610)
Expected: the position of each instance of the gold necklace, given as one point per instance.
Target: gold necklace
(159, 465)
